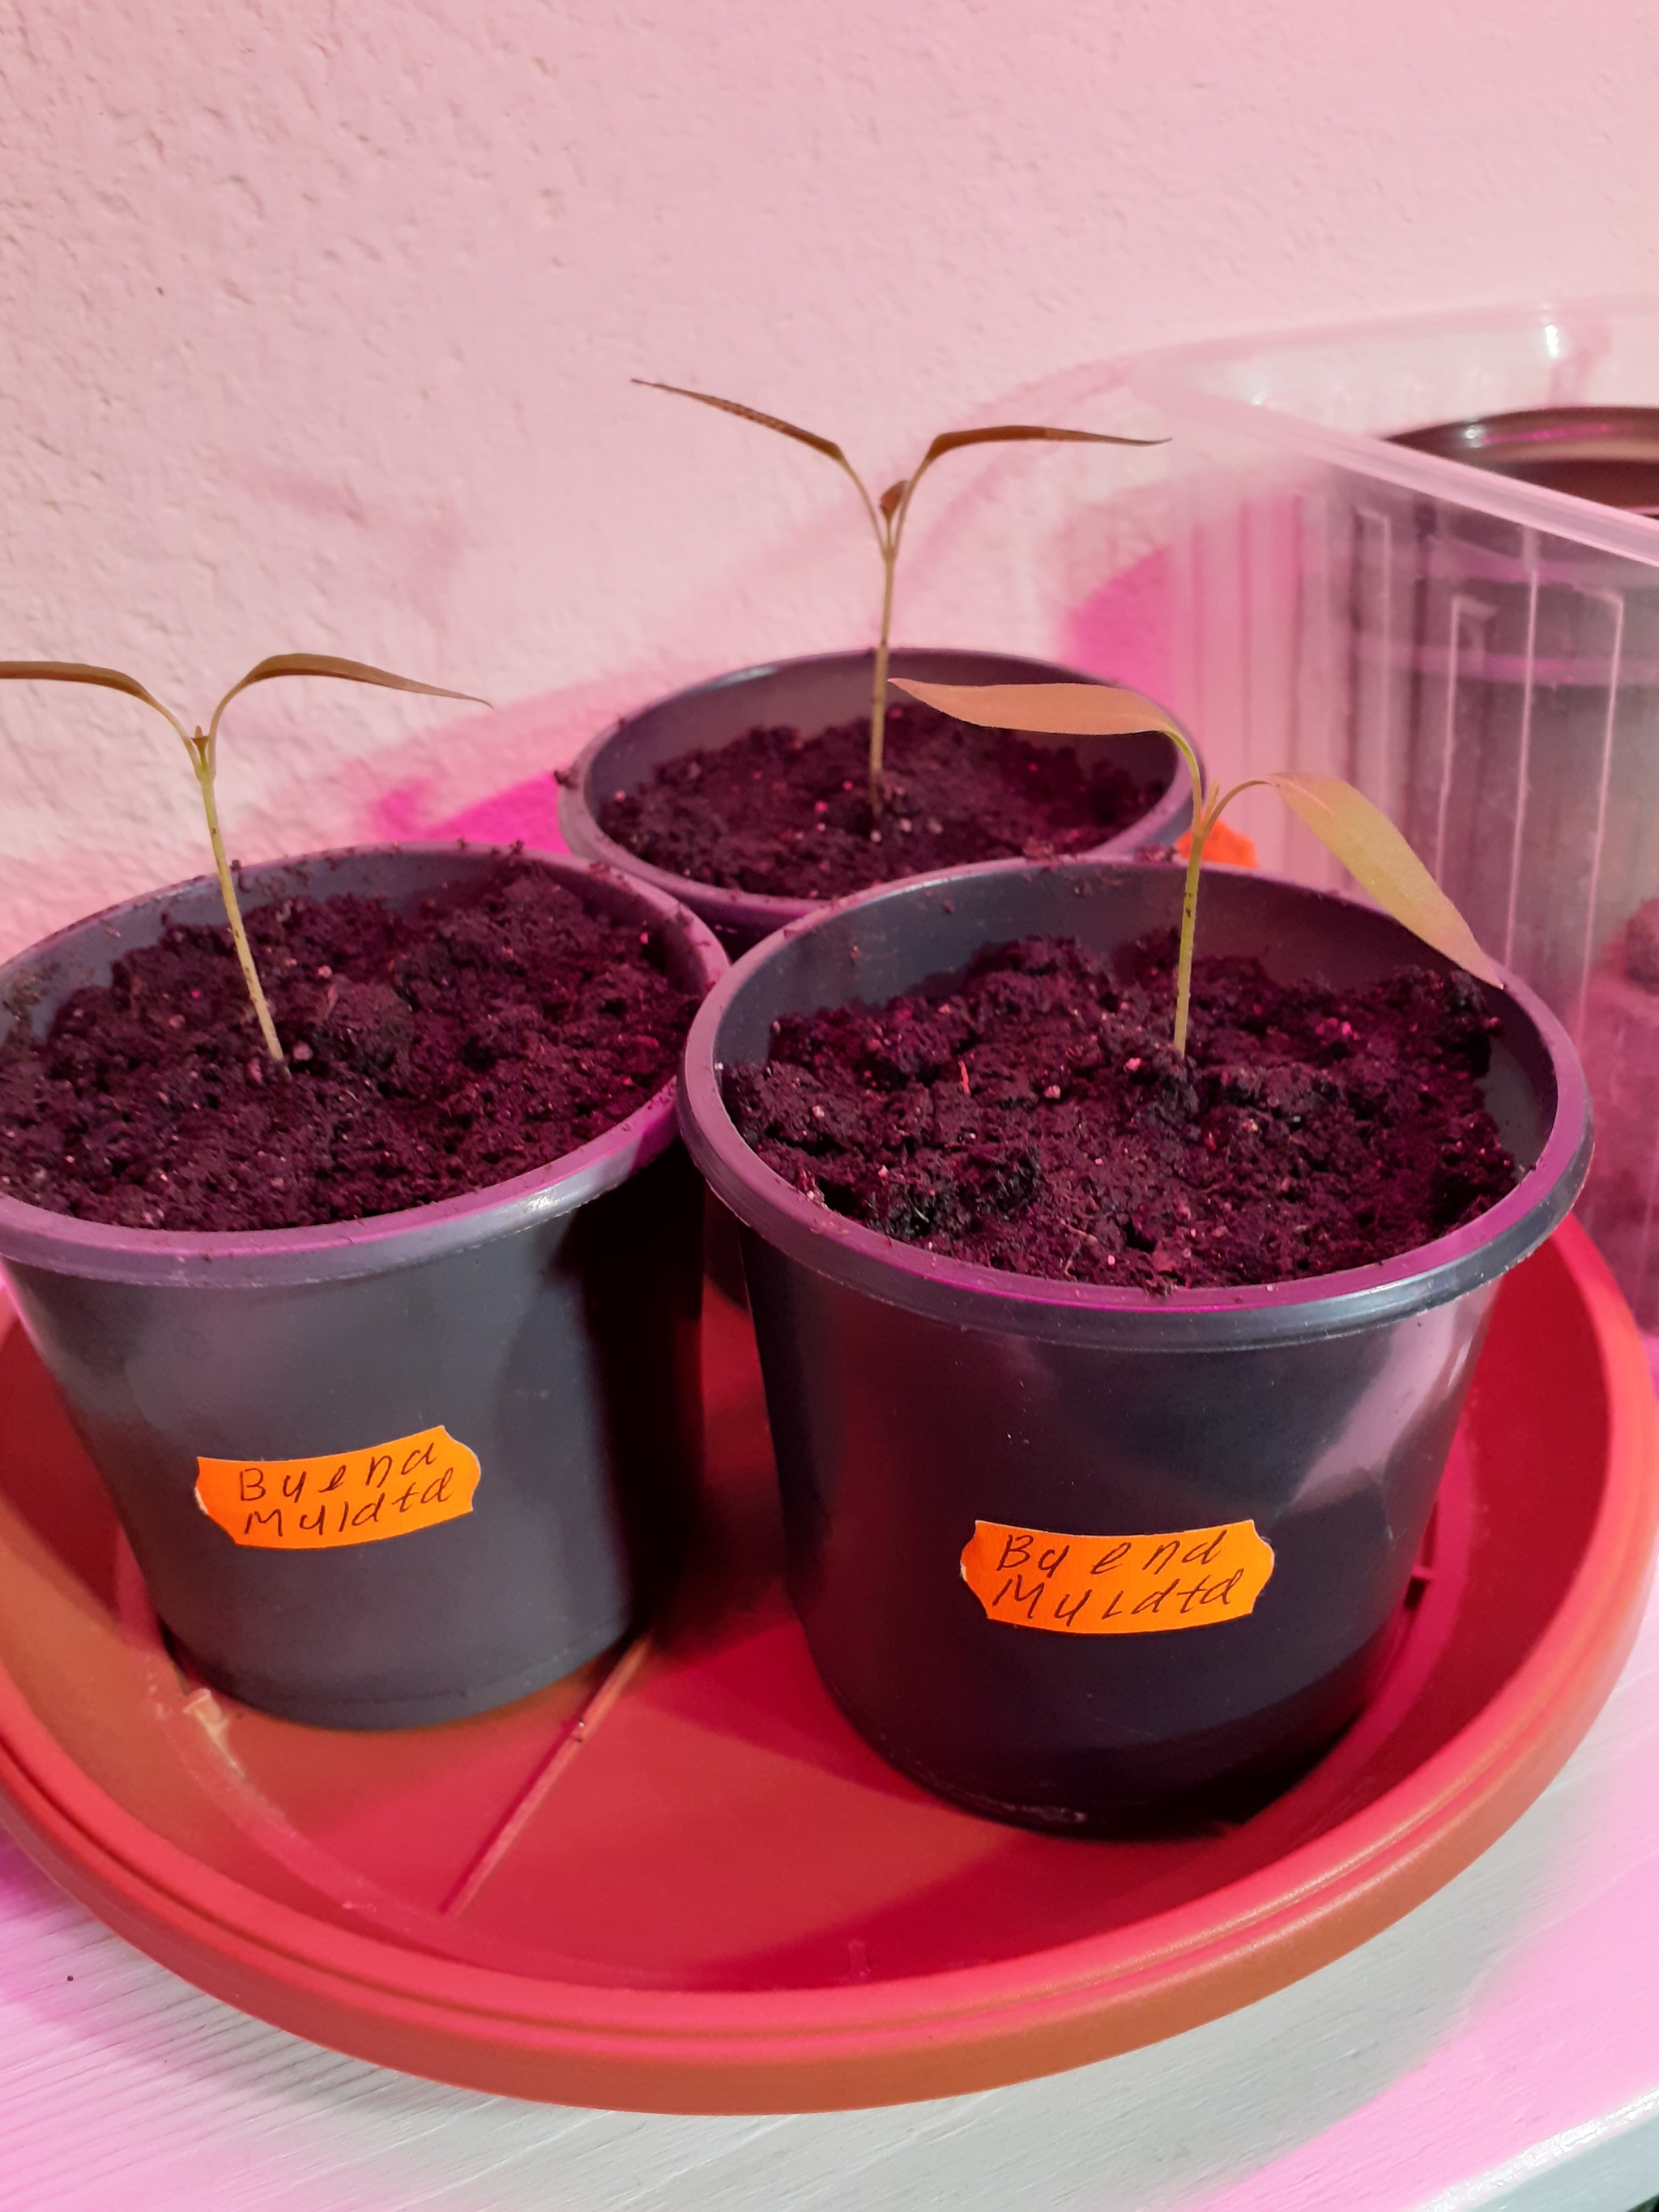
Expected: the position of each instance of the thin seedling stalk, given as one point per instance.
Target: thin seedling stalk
(878, 702)
(1205, 814)
(889, 517)
(201, 749)
(1188, 934)
(1207, 811)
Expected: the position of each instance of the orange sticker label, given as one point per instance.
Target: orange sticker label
(339, 1498)
(1115, 1585)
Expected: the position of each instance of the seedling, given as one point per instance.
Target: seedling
(203, 747)
(889, 514)
(1361, 836)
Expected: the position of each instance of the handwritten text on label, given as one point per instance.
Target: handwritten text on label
(339, 1498)
(1115, 1585)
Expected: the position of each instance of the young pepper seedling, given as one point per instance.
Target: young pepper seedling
(889, 514)
(203, 747)
(1361, 835)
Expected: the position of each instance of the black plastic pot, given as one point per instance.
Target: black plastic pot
(912, 1396)
(814, 694)
(548, 1324)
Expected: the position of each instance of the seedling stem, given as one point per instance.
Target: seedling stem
(1208, 808)
(201, 749)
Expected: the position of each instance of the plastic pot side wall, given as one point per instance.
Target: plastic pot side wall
(812, 694)
(912, 1396)
(548, 1324)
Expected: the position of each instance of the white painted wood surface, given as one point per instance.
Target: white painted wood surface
(1498, 2047)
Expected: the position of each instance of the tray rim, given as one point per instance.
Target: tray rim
(876, 2042)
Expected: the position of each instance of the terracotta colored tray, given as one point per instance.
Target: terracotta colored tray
(679, 1882)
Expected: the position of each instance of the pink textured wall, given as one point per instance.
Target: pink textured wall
(317, 320)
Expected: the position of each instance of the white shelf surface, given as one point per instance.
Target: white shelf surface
(1498, 2047)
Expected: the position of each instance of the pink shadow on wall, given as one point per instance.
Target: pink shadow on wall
(442, 780)
(527, 811)
(1122, 628)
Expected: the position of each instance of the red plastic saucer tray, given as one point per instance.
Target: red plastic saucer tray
(679, 1882)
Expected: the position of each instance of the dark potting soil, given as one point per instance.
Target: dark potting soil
(1037, 1119)
(498, 1027)
(777, 812)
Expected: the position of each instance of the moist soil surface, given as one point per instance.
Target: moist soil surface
(497, 1027)
(777, 812)
(1038, 1119)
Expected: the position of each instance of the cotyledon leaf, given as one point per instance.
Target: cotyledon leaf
(819, 444)
(328, 663)
(82, 671)
(1078, 710)
(1012, 434)
(1360, 834)
(1380, 861)
(948, 442)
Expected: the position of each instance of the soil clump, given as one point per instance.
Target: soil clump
(494, 1029)
(1037, 1118)
(788, 816)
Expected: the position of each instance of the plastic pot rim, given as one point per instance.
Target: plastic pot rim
(30, 1236)
(768, 911)
(1241, 1318)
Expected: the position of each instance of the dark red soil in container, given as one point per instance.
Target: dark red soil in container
(1038, 1119)
(788, 816)
(499, 1027)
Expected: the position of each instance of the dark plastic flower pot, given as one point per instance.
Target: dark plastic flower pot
(548, 1324)
(911, 1395)
(811, 694)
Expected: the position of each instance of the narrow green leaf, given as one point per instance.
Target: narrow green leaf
(1079, 710)
(1381, 861)
(825, 446)
(1011, 434)
(328, 663)
(82, 671)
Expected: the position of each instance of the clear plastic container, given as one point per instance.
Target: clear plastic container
(1480, 655)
